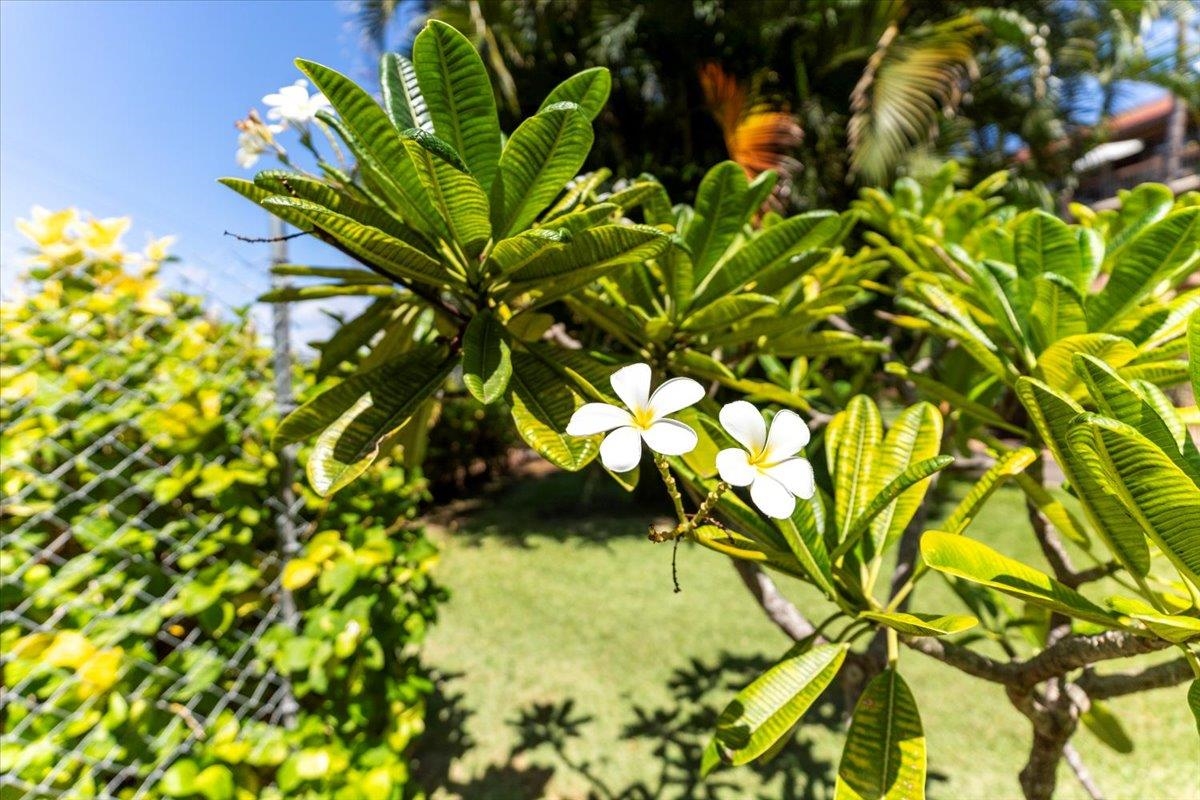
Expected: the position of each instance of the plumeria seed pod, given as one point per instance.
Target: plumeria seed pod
(643, 420)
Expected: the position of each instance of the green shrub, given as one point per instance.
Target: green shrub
(142, 556)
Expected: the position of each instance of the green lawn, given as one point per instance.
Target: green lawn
(575, 670)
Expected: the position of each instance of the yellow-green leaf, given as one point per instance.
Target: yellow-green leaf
(770, 706)
(961, 557)
(884, 754)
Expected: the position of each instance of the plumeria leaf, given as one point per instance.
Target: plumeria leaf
(775, 248)
(718, 315)
(914, 437)
(1160, 497)
(965, 558)
(376, 143)
(487, 358)
(1106, 726)
(1193, 336)
(1055, 366)
(540, 157)
(915, 624)
(1159, 252)
(771, 706)
(390, 255)
(458, 93)
(886, 498)
(1117, 399)
(1052, 413)
(457, 197)
(402, 99)
(852, 441)
(1007, 465)
(720, 214)
(287, 184)
(560, 269)
(1043, 243)
(884, 754)
(356, 416)
(542, 403)
(588, 89)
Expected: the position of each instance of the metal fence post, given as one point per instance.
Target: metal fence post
(284, 521)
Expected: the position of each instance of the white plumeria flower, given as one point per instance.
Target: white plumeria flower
(768, 465)
(644, 420)
(293, 104)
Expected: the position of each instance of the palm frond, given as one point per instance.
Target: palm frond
(909, 80)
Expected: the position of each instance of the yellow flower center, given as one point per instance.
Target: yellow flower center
(643, 418)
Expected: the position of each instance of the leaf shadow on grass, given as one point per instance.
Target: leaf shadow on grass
(587, 507)
(675, 734)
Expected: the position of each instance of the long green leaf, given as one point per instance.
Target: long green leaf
(402, 98)
(1044, 243)
(1056, 313)
(1193, 335)
(1106, 726)
(1163, 250)
(773, 248)
(559, 269)
(459, 96)
(718, 315)
(884, 754)
(915, 437)
(460, 201)
(1119, 400)
(1007, 465)
(964, 558)
(354, 417)
(542, 403)
(376, 144)
(770, 706)
(885, 500)
(288, 184)
(1056, 365)
(541, 156)
(851, 443)
(720, 214)
(487, 358)
(1053, 413)
(915, 624)
(1162, 499)
(588, 89)
(399, 259)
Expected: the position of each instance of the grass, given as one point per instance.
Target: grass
(573, 669)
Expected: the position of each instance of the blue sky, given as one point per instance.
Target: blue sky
(127, 108)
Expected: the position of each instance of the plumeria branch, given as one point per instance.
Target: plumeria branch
(1067, 654)
(1170, 673)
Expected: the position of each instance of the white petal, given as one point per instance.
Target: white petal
(771, 498)
(734, 467)
(621, 450)
(632, 385)
(597, 418)
(675, 395)
(745, 424)
(788, 434)
(669, 437)
(796, 475)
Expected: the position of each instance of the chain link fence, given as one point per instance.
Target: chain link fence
(144, 520)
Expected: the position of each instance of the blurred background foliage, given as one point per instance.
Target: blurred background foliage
(833, 94)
